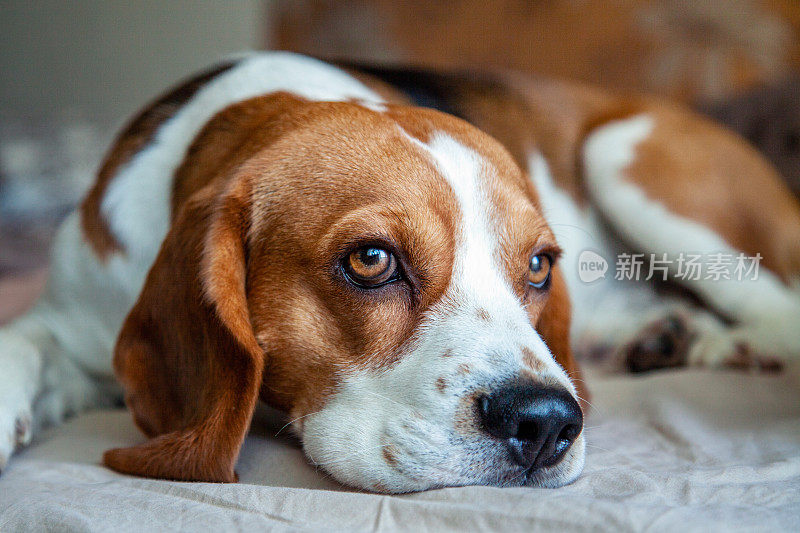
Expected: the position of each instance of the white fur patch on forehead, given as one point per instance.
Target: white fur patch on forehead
(461, 167)
(476, 273)
(137, 203)
(478, 282)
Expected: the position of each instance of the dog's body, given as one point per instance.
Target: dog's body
(214, 248)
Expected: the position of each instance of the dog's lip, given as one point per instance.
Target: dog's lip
(535, 474)
(529, 473)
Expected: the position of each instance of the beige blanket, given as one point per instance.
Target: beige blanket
(679, 451)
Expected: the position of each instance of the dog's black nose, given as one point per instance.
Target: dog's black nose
(539, 423)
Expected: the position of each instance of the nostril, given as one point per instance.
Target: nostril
(569, 433)
(562, 443)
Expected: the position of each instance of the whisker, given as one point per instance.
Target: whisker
(290, 422)
(508, 482)
(590, 404)
(599, 448)
(350, 456)
(573, 226)
(386, 398)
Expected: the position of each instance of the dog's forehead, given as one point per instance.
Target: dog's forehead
(497, 217)
(412, 162)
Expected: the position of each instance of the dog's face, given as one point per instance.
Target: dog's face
(400, 281)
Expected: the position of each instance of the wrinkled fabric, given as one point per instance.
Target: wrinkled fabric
(685, 450)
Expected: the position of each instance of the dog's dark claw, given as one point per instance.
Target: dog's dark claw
(663, 344)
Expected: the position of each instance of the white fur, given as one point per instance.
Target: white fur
(766, 311)
(56, 359)
(576, 230)
(400, 409)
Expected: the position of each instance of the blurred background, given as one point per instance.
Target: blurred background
(73, 72)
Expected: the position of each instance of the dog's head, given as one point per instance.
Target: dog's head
(384, 276)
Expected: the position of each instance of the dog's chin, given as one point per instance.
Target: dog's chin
(412, 473)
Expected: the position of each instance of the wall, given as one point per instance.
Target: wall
(100, 60)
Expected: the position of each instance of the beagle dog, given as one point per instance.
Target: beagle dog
(394, 278)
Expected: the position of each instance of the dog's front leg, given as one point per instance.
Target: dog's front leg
(22, 344)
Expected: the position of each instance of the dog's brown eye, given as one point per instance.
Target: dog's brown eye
(371, 266)
(539, 272)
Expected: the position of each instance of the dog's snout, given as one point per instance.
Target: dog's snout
(539, 423)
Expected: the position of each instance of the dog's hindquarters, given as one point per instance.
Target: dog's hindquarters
(673, 186)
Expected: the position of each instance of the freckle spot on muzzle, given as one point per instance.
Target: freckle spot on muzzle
(441, 384)
(530, 360)
(389, 455)
(380, 487)
(467, 421)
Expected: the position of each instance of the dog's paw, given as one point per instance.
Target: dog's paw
(678, 337)
(663, 343)
(745, 358)
(734, 349)
(16, 430)
(695, 340)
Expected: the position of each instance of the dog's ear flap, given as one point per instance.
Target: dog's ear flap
(554, 327)
(187, 356)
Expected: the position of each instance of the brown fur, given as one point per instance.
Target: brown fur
(713, 177)
(186, 355)
(530, 360)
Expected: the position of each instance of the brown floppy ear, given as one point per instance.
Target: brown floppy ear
(554, 327)
(187, 356)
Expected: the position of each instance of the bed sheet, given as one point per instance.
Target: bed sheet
(685, 450)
